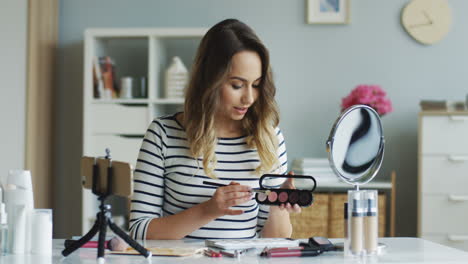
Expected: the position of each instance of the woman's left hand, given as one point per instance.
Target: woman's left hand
(289, 184)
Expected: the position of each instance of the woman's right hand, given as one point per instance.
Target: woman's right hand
(227, 196)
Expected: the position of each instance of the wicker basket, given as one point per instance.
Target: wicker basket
(326, 217)
(313, 220)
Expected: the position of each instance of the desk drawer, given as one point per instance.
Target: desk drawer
(444, 174)
(122, 148)
(450, 240)
(445, 134)
(444, 214)
(119, 119)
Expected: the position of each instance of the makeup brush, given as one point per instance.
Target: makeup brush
(117, 244)
(114, 244)
(266, 192)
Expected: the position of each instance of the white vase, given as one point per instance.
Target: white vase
(176, 79)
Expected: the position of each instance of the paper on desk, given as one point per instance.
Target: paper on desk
(157, 251)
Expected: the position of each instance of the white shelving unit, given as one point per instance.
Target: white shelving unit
(120, 124)
(443, 167)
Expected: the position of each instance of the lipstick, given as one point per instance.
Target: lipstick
(294, 253)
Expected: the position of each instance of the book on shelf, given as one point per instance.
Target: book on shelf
(104, 80)
(98, 85)
(319, 168)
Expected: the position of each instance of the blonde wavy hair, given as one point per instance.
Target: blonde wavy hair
(210, 70)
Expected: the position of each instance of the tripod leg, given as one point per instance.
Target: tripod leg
(102, 235)
(143, 251)
(77, 244)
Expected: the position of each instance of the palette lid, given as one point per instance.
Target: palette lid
(356, 144)
(302, 182)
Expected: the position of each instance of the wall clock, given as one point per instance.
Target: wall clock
(427, 21)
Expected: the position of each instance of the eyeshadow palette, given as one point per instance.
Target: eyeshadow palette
(303, 198)
(270, 196)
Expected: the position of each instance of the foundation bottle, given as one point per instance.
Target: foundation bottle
(356, 222)
(371, 229)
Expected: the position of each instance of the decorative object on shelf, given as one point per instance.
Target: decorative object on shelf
(126, 87)
(458, 106)
(328, 11)
(140, 91)
(104, 78)
(428, 105)
(427, 21)
(176, 79)
(371, 95)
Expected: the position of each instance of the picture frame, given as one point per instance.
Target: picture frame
(328, 11)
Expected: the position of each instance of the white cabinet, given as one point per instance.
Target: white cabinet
(119, 124)
(443, 178)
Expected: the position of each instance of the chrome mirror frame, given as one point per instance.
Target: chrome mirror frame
(376, 164)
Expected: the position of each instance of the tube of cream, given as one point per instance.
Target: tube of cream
(19, 236)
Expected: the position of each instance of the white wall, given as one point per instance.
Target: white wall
(13, 44)
(314, 66)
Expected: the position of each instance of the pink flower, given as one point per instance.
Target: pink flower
(371, 95)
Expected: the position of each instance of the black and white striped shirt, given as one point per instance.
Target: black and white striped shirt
(168, 180)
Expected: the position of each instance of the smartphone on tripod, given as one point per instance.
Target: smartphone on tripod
(106, 178)
(122, 182)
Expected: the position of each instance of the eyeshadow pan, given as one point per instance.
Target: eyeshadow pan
(272, 196)
(283, 197)
(261, 197)
(305, 198)
(293, 197)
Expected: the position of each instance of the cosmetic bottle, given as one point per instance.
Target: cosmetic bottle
(3, 230)
(356, 222)
(371, 231)
(19, 201)
(41, 233)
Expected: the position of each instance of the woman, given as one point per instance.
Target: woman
(227, 134)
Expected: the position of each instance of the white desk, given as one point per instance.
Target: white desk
(399, 250)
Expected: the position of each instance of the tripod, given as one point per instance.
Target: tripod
(104, 219)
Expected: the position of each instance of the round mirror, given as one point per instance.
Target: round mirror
(356, 145)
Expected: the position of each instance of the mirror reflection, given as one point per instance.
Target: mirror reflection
(356, 145)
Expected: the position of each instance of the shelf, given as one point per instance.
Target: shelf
(139, 101)
(144, 32)
(168, 101)
(118, 123)
(120, 101)
(339, 185)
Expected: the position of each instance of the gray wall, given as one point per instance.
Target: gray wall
(13, 29)
(315, 66)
